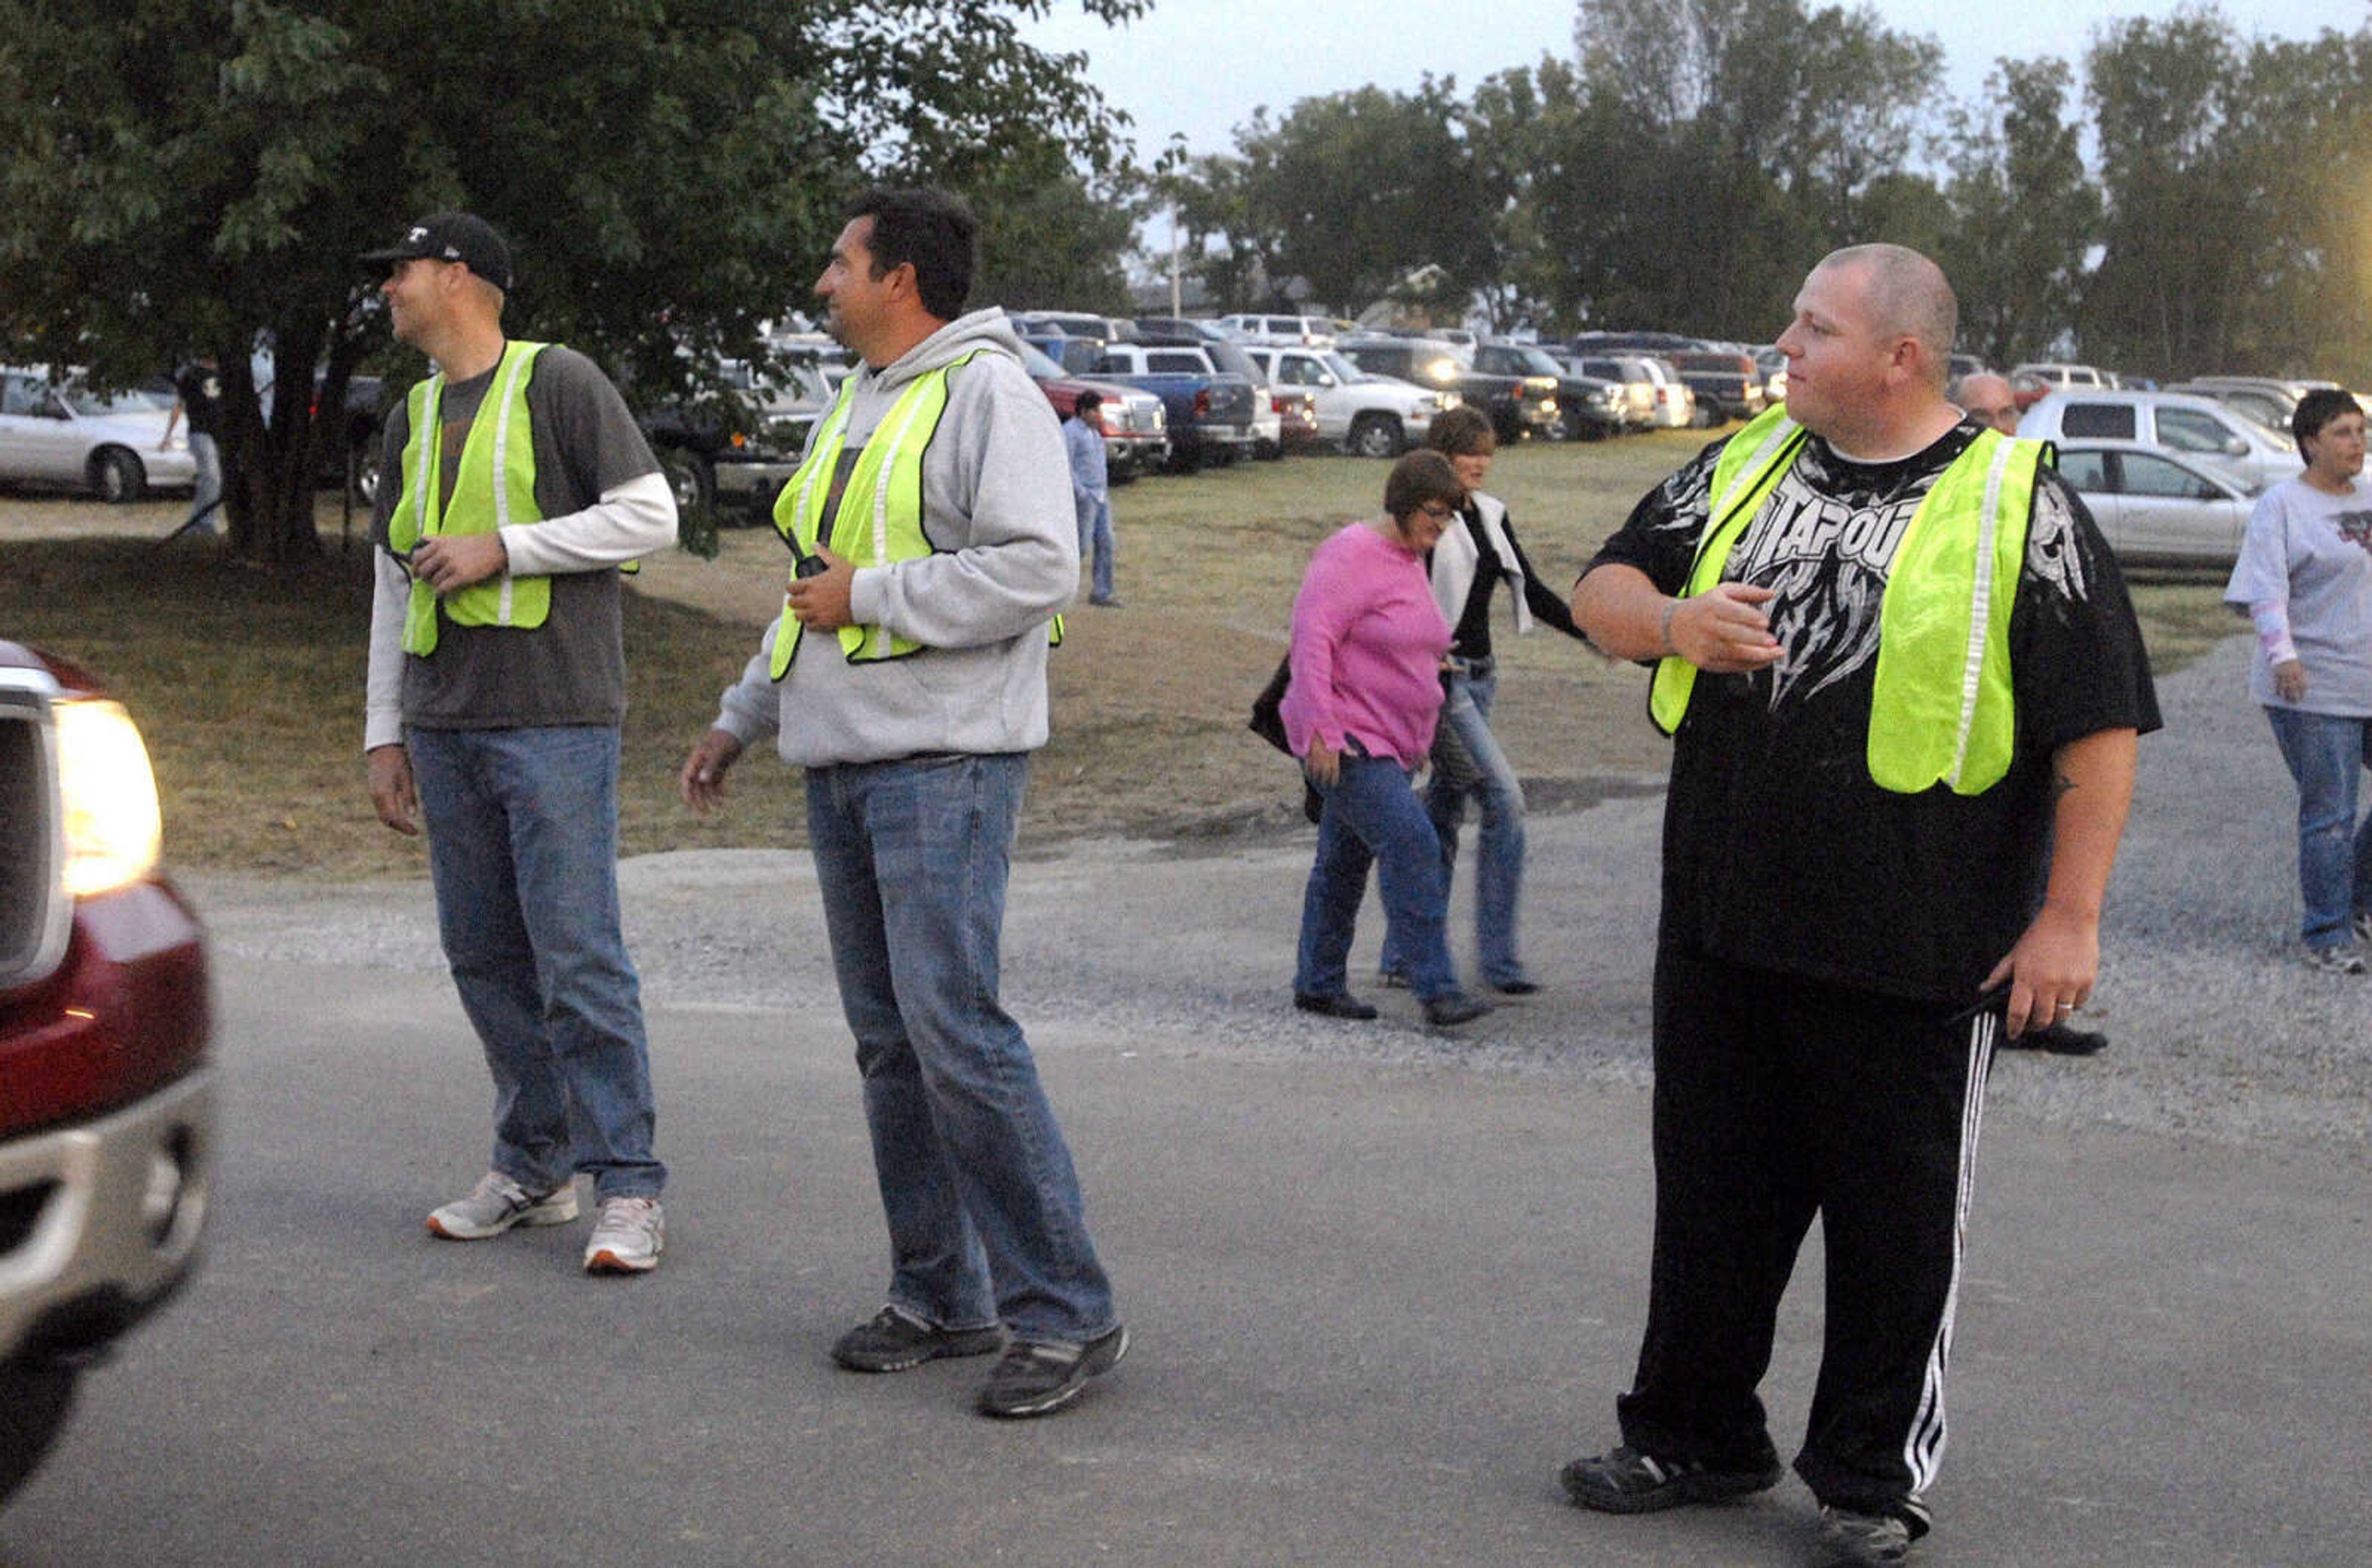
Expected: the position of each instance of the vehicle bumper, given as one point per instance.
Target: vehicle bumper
(1223, 436)
(1131, 454)
(100, 1222)
(752, 485)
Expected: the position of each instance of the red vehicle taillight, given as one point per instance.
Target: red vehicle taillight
(1202, 404)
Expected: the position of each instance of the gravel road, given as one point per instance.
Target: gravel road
(2217, 1030)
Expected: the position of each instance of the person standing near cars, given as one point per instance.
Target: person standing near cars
(1899, 670)
(1083, 441)
(2305, 577)
(1989, 400)
(521, 486)
(1466, 568)
(907, 675)
(197, 401)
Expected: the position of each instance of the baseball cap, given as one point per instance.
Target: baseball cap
(451, 236)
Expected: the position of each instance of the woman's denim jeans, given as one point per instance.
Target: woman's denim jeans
(523, 848)
(1372, 816)
(1499, 848)
(986, 1223)
(2327, 755)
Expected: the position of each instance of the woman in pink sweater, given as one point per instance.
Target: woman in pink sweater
(1359, 712)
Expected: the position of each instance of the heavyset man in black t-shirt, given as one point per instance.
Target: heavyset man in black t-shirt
(1838, 959)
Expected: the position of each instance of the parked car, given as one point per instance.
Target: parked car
(1210, 411)
(1136, 426)
(1269, 417)
(55, 430)
(1588, 407)
(1660, 343)
(2154, 508)
(1518, 405)
(1076, 356)
(1305, 331)
(2031, 382)
(1773, 367)
(106, 1119)
(2206, 432)
(1370, 415)
(2265, 404)
(734, 450)
(1727, 384)
(1192, 326)
(1072, 323)
(1636, 390)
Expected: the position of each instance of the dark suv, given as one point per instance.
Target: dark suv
(106, 1096)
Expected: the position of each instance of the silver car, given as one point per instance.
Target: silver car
(2196, 429)
(63, 434)
(2154, 508)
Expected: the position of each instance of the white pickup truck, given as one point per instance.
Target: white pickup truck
(1370, 415)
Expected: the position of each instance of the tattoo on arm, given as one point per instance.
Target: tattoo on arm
(2061, 784)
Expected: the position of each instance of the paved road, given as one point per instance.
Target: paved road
(1382, 1283)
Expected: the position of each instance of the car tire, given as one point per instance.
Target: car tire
(1376, 436)
(117, 477)
(34, 1402)
(691, 477)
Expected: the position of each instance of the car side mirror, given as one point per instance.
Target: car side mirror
(1326, 378)
(2235, 446)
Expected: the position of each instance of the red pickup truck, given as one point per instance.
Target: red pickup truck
(106, 1094)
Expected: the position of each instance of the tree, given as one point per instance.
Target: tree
(2024, 214)
(199, 174)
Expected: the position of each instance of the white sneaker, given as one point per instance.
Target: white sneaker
(2335, 960)
(628, 1233)
(496, 1203)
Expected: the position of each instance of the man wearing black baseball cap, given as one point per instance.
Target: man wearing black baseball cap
(518, 488)
(451, 236)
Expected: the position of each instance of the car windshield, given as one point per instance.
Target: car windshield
(1344, 371)
(1039, 367)
(1537, 361)
(90, 405)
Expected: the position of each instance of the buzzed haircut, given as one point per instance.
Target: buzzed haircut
(1909, 297)
(933, 230)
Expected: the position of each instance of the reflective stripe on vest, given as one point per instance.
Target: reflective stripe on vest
(1942, 707)
(493, 486)
(879, 519)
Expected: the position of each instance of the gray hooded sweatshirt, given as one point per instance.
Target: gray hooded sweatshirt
(996, 507)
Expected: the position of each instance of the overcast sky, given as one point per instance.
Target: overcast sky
(1199, 67)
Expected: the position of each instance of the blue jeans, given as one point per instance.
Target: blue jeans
(986, 1223)
(1372, 817)
(523, 848)
(206, 490)
(2326, 755)
(1499, 869)
(1094, 508)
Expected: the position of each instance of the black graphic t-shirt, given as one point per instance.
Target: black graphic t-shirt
(1779, 851)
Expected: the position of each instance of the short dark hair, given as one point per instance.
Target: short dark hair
(933, 231)
(1421, 476)
(1087, 400)
(1462, 432)
(2317, 409)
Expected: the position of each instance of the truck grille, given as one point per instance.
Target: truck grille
(32, 906)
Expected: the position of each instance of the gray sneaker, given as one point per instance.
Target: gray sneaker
(627, 1235)
(2335, 960)
(1039, 1378)
(496, 1203)
(1865, 1541)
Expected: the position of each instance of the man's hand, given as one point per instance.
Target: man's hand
(1722, 631)
(2051, 970)
(391, 791)
(822, 601)
(450, 563)
(1324, 764)
(702, 783)
(2289, 681)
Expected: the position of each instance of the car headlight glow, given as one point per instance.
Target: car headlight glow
(1443, 369)
(114, 828)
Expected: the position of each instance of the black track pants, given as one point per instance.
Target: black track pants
(1777, 1098)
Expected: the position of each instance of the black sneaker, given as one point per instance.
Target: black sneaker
(1452, 1008)
(1628, 1482)
(894, 1341)
(1040, 1378)
(1341, 1004)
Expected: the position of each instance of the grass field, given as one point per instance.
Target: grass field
(248, 685)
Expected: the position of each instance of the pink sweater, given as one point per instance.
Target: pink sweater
(1368, 641)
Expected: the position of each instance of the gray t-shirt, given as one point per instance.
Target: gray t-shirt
(572, 669)
(2314, 553)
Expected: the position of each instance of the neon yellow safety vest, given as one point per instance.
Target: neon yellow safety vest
(494, 486)
(1942, 709)
(879, 519)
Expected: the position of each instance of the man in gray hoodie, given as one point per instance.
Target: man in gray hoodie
(931, 525)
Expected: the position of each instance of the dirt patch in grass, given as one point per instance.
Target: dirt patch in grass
(249, 684)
